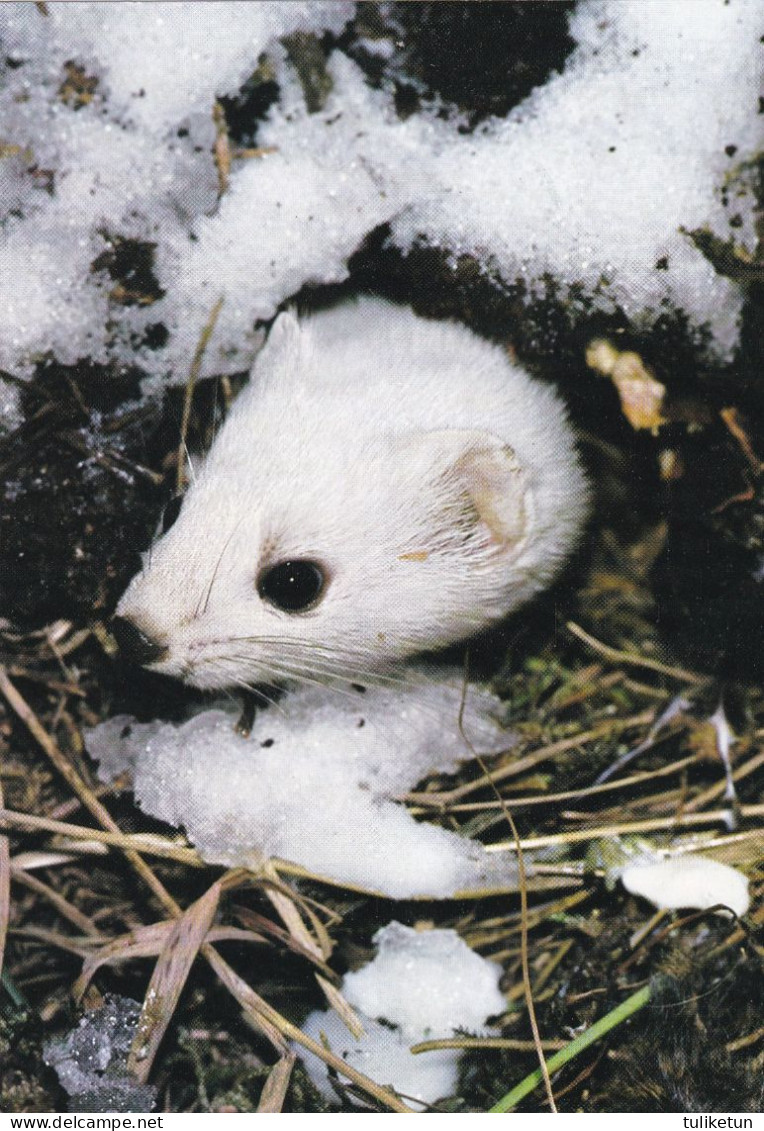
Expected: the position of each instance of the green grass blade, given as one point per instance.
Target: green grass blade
(597, 1030)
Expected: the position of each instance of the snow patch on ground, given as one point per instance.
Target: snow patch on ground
(589, 181)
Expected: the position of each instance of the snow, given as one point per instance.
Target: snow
(590, 180)
(422, 985)
(592, 177)
(134, 163)
(218, 44)
(314, 783)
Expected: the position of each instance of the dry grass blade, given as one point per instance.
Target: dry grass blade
(263, 1018)
(80, 946)
(718, 789)
(31, 861)
(626, 828)
(275, 1090)
(528, 801)
(525, 955)
(81, 837)
(299, 872)
(170, 973)
(222, 148)
(383, 1095)
(64, 688)
(321, 933)
(320, 951)
(148, 942)
(633, 659)
(521, 765)
(486, 1043)
(290, 915)
(256, 922)
(75, 783)
(144, 942)
(756, 920)
(193, 376)
(267, 1020)
(744, 1042)
(113, 788)
(341, 1007)
(522, 884)
(66, 909)
(5, 889)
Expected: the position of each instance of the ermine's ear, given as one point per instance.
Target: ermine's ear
(482, 495)
(281, 352)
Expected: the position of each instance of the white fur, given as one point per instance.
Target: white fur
(435, 480)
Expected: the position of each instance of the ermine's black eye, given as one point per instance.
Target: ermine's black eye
(292, 586)
(171, 512)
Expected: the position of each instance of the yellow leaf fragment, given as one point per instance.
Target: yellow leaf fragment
(642, 394)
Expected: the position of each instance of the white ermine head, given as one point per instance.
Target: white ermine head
(385, 485)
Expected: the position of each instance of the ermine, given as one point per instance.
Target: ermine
(385, 485)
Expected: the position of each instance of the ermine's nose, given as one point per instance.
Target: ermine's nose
(134, 644)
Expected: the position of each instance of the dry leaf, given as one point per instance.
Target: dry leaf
(173, 965)
(274, 1092)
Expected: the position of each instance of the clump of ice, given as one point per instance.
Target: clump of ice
(421, 985)
(590, 180)
(91, 1060)
(687, 881)
(314, 783)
